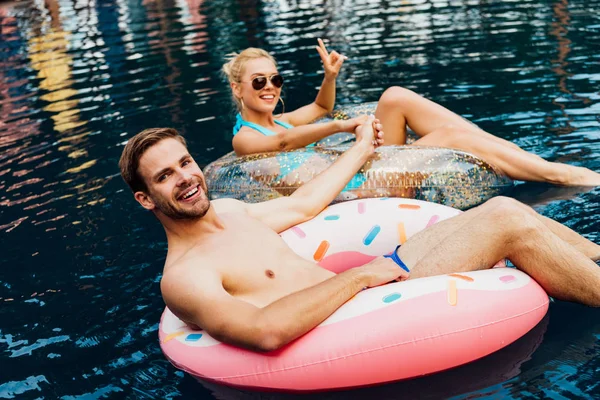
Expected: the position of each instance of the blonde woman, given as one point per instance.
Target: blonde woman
(256, 89)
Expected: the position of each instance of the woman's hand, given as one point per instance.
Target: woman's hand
(349, 125)
(332, 62)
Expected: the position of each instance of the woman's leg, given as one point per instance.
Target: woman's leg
(438, 126)
(399, 107)
(517, 164)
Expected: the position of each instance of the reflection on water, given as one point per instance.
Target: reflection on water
(48, 54)
(81, 262)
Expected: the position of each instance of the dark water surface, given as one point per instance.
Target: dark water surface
(80, 260)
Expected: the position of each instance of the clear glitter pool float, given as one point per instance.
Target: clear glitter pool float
(444, 176)
(393, 332)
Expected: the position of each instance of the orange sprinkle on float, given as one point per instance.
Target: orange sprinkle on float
(172, 336)
(452, 292)
(463, 277)
(401, 233)
(321, 250)
(409, 206)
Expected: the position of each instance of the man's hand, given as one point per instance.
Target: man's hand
(371, 131)
(381, 271)
(312, 197)
(332, 62)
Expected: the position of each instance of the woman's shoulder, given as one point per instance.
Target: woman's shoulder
(304, 115)
(246, 126)
(283, 121)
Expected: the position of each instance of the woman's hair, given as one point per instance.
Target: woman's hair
(234, 67)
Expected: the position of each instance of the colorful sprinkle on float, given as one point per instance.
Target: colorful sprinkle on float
(416, 327)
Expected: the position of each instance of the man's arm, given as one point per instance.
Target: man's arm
(312, 197)
(202, 300)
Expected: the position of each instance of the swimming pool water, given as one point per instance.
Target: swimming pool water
(81, 261)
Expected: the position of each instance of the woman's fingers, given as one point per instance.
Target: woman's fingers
(322, 46)
(322, 54)
(337, 57)
(331, 61)
(361, 119)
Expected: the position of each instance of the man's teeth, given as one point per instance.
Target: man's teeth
(190, 193)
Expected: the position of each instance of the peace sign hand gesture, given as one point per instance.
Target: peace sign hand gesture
(332, 62)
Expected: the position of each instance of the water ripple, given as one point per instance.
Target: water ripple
(79, 289)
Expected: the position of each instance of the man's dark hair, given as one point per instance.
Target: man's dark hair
(135, 149)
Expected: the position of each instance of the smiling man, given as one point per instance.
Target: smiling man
(229, 272)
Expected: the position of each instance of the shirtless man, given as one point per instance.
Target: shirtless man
(228, 271)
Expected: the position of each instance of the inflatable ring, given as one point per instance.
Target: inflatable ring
(388, 333)
(444, 176)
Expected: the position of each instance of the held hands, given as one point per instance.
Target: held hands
(332, 62)
(381, 271)
(350, 125)
(370, 131)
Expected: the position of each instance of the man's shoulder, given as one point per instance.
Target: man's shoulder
(188, 262)
(228, 205)
(189, 270)
(187, 285)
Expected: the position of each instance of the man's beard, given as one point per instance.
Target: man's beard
(173, 212)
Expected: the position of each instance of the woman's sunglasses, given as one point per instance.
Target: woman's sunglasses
(261, 81)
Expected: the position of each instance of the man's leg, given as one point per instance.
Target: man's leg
(585, 246)
(499, 229)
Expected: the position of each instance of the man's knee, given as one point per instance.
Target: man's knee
(501, 206)
(500, 201)
(514, 219)
(509, 205)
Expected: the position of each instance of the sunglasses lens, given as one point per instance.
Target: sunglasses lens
(259, 82)
(277, 81)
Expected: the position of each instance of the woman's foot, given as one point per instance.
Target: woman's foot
(580, 176)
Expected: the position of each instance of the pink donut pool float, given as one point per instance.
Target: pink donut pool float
(393, 332)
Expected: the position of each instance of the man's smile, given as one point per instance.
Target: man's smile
(190, 194)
